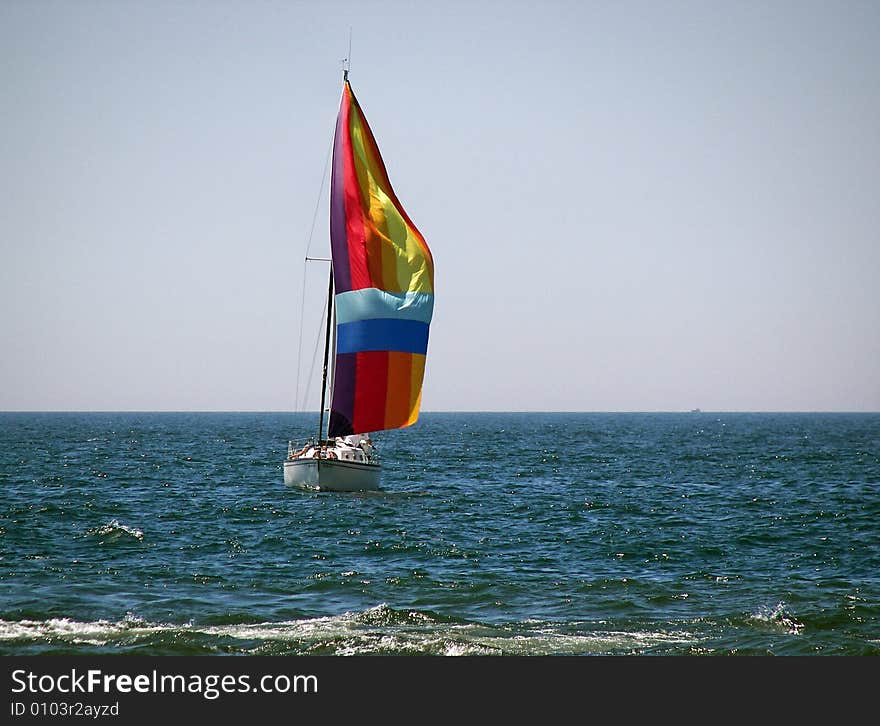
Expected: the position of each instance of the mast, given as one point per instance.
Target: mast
(326, 357)
(329, 305)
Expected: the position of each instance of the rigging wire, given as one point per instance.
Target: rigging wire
(305, 268)
(302, 405)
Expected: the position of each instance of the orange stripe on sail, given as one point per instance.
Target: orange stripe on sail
(398, 399)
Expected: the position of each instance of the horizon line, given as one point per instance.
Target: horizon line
(454, 411)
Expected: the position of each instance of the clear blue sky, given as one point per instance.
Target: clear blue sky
(632, 206)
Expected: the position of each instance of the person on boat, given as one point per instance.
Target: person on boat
(300, 453)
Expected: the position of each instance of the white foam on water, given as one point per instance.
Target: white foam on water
(374, 631)
(554, 643)
(114, 527)
(777, 619)
(290, 630)
(98, 632)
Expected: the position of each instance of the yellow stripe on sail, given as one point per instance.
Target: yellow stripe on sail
(396, 253)
(416, 378)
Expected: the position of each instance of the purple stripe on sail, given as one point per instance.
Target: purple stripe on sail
(342, 406)
(339, 425)
(338, 234)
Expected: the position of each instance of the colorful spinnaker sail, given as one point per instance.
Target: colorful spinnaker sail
(383, 275)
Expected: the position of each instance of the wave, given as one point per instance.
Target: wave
(380, 630)
(114, 531)
(777, 619)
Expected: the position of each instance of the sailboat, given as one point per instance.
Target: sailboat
(380, 301)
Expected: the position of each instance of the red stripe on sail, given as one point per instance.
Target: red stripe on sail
(354, 207)
(379, 165)
(370, 391)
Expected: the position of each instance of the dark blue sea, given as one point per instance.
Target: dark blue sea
(494, 534)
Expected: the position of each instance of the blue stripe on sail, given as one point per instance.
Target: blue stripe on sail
(404, 336)
(370, 303)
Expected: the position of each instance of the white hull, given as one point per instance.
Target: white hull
(331, 475)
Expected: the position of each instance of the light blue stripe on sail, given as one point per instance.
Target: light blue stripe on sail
(371, 303)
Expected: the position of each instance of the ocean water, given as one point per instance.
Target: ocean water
(494, 534)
